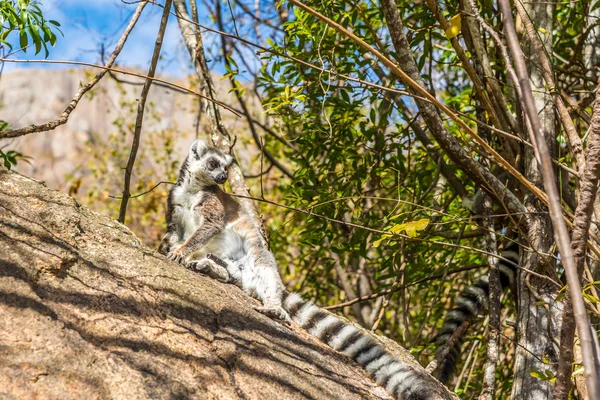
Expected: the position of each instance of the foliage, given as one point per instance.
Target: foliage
(26, 18)
(361, 165)
(10, 158)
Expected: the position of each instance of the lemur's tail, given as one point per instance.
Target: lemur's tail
(467, 306)
(397, 377)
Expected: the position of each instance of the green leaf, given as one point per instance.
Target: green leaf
(537, 374)
(591, 298)
(23, 40)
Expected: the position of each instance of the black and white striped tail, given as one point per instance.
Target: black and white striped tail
(398, 378)
(468, 305)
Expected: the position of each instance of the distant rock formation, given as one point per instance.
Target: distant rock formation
(34, 96)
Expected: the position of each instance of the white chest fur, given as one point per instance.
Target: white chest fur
(187, 220)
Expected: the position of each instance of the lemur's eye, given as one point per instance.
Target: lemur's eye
(213, 165)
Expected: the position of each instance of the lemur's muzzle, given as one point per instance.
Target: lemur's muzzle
(221, 178)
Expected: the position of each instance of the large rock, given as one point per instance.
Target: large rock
(87, 311)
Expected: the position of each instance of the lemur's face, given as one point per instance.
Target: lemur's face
(207, 164)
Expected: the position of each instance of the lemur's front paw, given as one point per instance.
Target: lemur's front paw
(274, 312)
(175, 254)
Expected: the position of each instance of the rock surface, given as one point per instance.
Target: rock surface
(88, 312)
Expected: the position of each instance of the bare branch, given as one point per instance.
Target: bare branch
(140, 111)
(581, 223)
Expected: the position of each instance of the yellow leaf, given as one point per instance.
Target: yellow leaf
(398, 228)
(411, 227)
(421, 224)
(578, 371)
(542, 30)
(415, 226)
(454, 27)
(378, 241)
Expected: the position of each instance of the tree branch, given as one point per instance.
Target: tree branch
(140, 111)
(573, 139)
(581, 223)
(495, 291)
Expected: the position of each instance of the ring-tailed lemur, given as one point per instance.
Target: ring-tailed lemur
(203, 219)
(208, 232)
(467, 306)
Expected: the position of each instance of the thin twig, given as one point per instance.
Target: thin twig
(143, 193)
(387, 292)
(140, 111)
(232, 18)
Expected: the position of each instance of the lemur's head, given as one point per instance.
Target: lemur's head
(207, 164)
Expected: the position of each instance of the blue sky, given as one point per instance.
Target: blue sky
(90, 24)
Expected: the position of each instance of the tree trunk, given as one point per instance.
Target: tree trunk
(537, 313)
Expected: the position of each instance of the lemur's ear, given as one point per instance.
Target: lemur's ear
(197, 148)
(229, 159)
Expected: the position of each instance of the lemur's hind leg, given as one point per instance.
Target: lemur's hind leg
(269, 288)
(209, 268)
